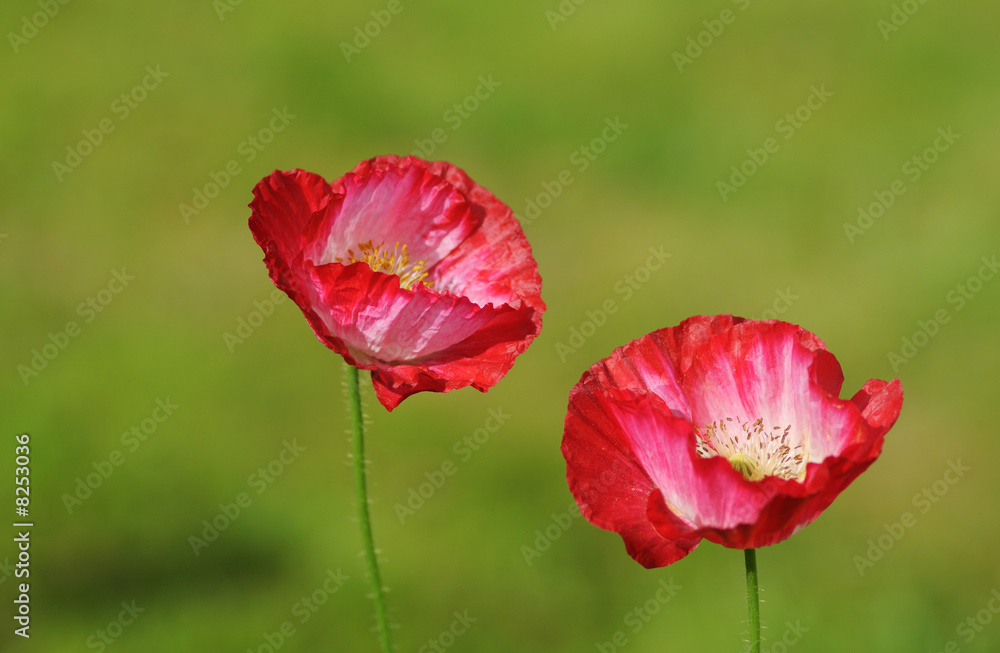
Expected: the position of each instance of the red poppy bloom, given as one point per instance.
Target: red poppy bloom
(720, 428)
(404, 267)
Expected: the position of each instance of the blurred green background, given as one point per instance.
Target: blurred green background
(215, 73)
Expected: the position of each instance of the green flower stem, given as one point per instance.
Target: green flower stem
(361, 490)
(753, 600)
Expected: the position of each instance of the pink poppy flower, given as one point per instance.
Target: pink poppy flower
(404, 267)
(720, 428)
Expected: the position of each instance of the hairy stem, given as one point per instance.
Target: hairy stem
(361, 490)
(753, 600)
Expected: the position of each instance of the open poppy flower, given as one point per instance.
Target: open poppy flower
(720, 428)
(404, 267)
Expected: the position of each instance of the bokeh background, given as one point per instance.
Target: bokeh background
(548, 77)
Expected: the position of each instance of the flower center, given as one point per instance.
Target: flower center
(390, 261)
(752, 450)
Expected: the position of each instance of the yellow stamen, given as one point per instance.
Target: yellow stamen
(390, 261)
(753, 450)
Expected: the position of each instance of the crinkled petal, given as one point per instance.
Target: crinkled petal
(391, 200)
(432, 341)
(880, 403)
(765, 370)
(283, 204)
(701, 491)
(649, 363)
(495, 263)
(706, 497)
(798, 504)
(381, 322)
(609, 483)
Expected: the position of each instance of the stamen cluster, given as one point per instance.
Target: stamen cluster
(390, 261)
(752, 450)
